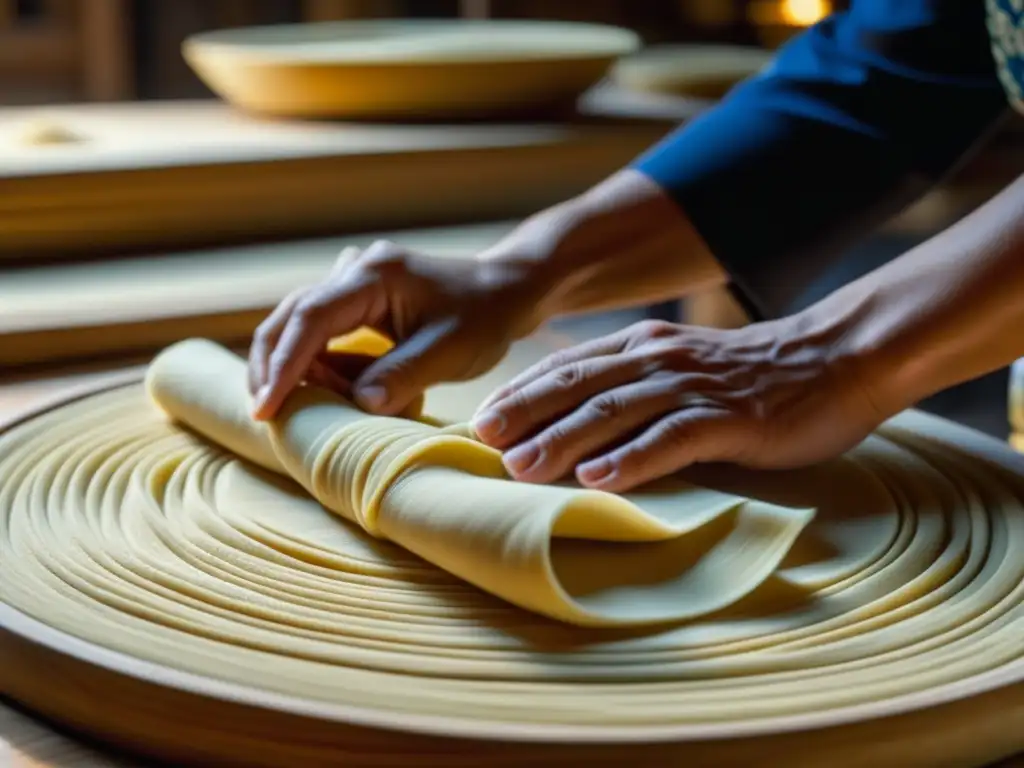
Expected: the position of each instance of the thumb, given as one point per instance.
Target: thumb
(395, 381)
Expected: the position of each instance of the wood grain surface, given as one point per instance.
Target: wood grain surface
(60, 312)
(164, 175)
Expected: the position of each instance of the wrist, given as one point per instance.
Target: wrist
(850, 327)
(881, 344)
(622, 243)
(535, 264)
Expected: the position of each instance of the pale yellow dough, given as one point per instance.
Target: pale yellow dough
(682, 551)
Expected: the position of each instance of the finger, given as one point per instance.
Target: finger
(347, 365)
(602, 421)
(322, 375)
(316, 318)
(685, 437)
(348, 256)
(392, 382)
(268, 332)
(265, 337)
(605, 345)
(527, 410)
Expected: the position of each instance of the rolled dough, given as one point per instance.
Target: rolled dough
(683, 551)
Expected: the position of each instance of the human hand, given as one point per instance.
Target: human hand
(656, 397)
(450, 319)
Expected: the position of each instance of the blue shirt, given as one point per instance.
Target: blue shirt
(857, 117)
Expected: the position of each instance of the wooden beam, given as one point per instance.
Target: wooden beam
(8, 13)
(106, 51)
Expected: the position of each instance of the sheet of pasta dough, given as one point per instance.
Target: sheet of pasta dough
(670, 552)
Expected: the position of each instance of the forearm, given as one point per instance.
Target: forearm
(622, 243)
(948, 311)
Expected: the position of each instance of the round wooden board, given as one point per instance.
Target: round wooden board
(161, 713)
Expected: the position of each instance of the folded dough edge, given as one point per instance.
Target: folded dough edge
(445, 497)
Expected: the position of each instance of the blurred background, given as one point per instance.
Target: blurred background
(59, 55)
(74, 50)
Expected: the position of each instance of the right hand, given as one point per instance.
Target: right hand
(450, 319)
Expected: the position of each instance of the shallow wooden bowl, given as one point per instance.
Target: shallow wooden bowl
(408, 68)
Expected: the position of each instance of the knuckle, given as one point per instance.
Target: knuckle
(396, 374)
(350, 254)
(628, 460)
(285, 307)
(259, 336)
(555, 361)
(498, 400)
(674, 433)
(550, 446)
(567, 377)
(606, 407)
(262, 341)
(385, 254)
(547, 441)
(651, 330)
(654, 358)
(278, 359)
(309, 310)
(276, 367)
(513, 408)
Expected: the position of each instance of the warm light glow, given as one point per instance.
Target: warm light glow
(803, 13)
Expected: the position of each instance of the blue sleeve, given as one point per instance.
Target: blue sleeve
(856, 118)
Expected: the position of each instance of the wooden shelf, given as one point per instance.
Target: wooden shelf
(171, 174)
(81, 47)
(65, 313)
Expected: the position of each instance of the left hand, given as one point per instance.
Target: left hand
(656, 397)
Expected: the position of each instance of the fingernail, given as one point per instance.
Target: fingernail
(521, 458)
(595, 472)
(373, 397)
(260, 399)
(489, 424)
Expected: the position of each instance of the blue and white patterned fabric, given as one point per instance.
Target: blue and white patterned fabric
(1006, 28)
